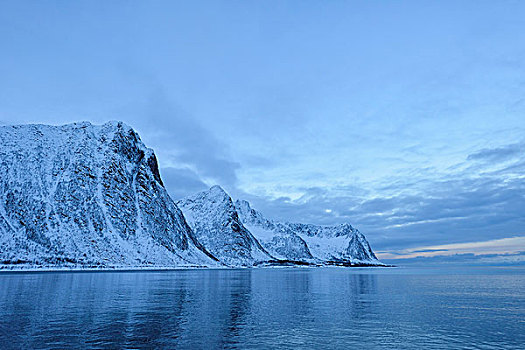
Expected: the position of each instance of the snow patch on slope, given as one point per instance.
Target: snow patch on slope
(279, 241)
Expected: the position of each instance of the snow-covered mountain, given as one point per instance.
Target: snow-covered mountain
(88, 195)
(241, 236)
(81, 195)
(340, 244)
(214, 219)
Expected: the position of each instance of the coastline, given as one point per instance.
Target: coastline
(38, 269)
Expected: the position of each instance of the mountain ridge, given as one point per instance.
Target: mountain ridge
(338, 244)
(84, 195)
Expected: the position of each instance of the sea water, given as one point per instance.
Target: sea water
(279, 308)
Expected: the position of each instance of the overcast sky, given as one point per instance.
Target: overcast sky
(404, 118)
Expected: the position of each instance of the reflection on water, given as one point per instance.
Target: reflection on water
(261, 308)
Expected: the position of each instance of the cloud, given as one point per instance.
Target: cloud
(512, 245)
(500, 154)
(426, 251)
(181, 142)
(182, 182)
(480, 198)
(425, 209)
(512, 259)
(450, 210)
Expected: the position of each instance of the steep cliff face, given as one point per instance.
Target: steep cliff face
(212, 216)
(341, 244)
(88, 195)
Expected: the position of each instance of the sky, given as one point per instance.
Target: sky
(404, 118)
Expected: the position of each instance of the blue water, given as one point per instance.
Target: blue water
(323, 308)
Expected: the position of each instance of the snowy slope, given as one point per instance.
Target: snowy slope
(87, 195)
(341, 244)
(279, 241)
(212, 216)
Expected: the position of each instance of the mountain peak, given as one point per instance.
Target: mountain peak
(212, 216)
(216, 189)
(88, 194)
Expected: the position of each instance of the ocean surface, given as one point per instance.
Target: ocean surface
(281, 308)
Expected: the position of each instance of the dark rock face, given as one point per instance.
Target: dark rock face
(88, 195)
(212, 216)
